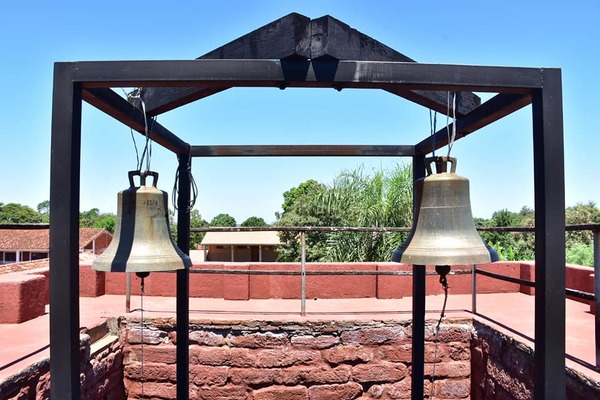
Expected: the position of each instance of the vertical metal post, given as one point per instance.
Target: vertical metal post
(548, 151)
(474, 289)
(418, 332)
(418, 304)
(183, 281)
(128, 293)
(64, 235)
(597, 294)
(303, 274)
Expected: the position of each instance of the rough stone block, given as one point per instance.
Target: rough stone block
(347, 354)
(282, 393)
(380, 373)
(346, 391)
(206, 338)
(375, 336)
(229, 392)
(259, 340)
(315, 342)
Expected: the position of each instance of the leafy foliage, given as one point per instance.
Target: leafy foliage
(95, 219)
(13, 213)
(355, 198)
(510, 245)
(223, 220)
(43, 209)
(196, 221)
(254, 221)
(581, 254)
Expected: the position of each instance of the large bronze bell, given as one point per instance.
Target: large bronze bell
(142, 242)
(444, 232)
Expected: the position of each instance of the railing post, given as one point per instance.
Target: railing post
(303, 274)
(474, 289)
(128, 293)
(596, 234)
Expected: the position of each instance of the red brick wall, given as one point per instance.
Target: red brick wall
(503, 369)
(101, 376)
(295, 360)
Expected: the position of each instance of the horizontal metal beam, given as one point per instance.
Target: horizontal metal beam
(117, 107)
(492, 110)
(316, 273)
(305, 73)
(303, 151)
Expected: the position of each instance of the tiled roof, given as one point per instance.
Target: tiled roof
(84, 258)
(268, 238)
(39, 239)
(23, 266)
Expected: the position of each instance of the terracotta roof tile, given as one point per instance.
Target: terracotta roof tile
(39, 239)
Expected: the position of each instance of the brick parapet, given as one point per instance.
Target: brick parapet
(295, 360)
(503, 368)
(101, 375)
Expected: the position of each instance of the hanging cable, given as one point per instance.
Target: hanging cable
(193, 187)
(451, 136)
(433, 127)
(443, 270)
(132, 97)
(136, 100)
(142, 275)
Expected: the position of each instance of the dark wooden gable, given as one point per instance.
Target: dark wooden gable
(297, 37)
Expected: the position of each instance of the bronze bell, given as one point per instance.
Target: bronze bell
(444, 232)
(142, 242)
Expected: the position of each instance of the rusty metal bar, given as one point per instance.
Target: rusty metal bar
(128, 293)
(474, 289)
(303, 275)
(302, 151)
(597, 294)
(317, 273)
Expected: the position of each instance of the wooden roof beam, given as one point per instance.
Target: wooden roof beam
(298, 37)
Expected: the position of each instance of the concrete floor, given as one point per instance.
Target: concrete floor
(511, 313)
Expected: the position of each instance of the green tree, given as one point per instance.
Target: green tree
(356, 198)
(95, 219)
(254, 221)
(14, 213)
(43, 209)
(106, 221)
(511, 246)
(301, 196)
(581, 254)
(580, 214)
(196, 221)
(223, 220)
(579, 244)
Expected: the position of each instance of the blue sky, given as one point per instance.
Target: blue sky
(497, 160)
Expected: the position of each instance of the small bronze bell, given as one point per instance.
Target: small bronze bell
(444, 232)
(142, 242)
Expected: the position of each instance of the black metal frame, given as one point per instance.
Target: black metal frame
(75, 82)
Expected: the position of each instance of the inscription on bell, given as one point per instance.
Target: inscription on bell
(148, 203)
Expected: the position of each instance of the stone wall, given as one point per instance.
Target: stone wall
(101, 373)
(295, 360)
(503, 368)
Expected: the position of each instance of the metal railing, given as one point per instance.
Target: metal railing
(474, 271)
